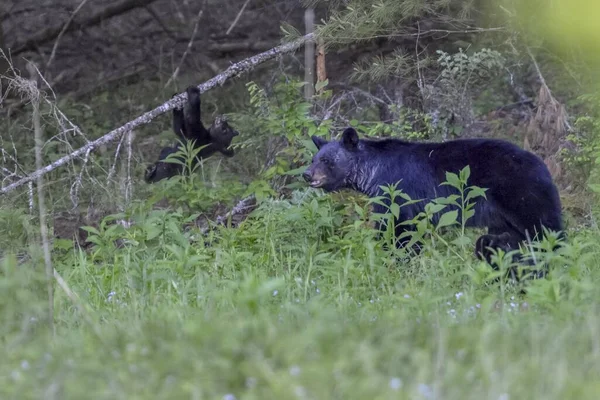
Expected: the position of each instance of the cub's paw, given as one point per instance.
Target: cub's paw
(486, 244)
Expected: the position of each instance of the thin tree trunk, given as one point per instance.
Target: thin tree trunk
(39, 143)
(321, 70)
(309, 55)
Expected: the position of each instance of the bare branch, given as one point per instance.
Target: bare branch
(237, 18)
(231, 72)
(62, 32)
(187, 49)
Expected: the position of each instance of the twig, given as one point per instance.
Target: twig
(62, 32)
(543, 82)
(237, 18)
(187, 50)
(112, 169)
(160, 22)
(74, 192)
(231, 72)
(128, 185)
(37, 127)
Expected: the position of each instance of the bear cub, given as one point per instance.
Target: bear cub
(188, 126)
(521, 196)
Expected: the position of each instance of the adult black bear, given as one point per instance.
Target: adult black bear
(521, 197)
(188, 126)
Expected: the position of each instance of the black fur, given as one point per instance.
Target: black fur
(187, 125)
(521, 197)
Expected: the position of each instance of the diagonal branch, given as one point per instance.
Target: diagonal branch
(231, 72)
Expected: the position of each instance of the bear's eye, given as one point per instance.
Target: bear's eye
(326, 161)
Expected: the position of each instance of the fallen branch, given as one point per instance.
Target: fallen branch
(239, 208)
(231, 72)
(242, 206)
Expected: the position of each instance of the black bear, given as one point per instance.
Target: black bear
(188, 126)
(521, 196)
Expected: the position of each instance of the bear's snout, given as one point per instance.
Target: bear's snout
(307, 176)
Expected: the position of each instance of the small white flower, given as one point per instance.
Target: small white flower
(300, 391)
(425, 391)
(407, 296)
(294, 370)
(229, 396)
(250, 382)
(395, 383)
(458, 295)
(275, 292)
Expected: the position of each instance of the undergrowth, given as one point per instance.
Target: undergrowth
(301, 300)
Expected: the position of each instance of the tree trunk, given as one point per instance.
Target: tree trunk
(309, 55)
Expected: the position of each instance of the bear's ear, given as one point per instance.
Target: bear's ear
(319, 142)
(350, 139)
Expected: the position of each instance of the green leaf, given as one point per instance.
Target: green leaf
(91, 229)
(468, 214)
(452, 199)
(465, 173)
(474, 192)
(452, 180)
(297, 171)
(395, 210)
(321, 85)
(432, 208)
(153, 232)
(447, 219)
(462, 241)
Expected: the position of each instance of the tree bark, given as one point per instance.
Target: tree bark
(309, 55)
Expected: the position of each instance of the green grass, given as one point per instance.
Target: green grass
(299, 302)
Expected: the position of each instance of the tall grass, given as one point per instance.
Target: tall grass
(299, 301)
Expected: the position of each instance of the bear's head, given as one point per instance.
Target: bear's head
(335, 161)
(221, 133)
